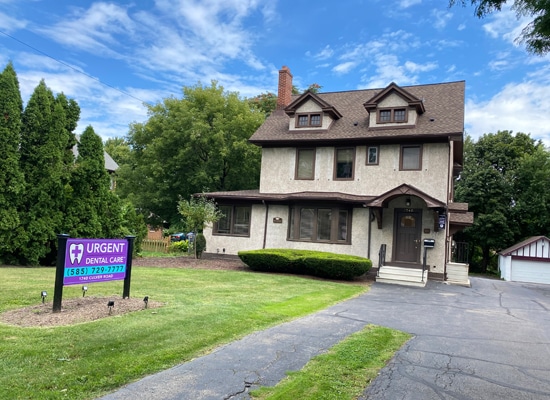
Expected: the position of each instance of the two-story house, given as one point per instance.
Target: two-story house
(364, 172)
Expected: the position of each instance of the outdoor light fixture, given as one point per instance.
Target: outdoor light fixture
(84, 290)
(43, 294)
(110, 304)
(146, 300)
(408, 202)
(224, 250)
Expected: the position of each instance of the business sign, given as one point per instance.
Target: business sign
(95, 260)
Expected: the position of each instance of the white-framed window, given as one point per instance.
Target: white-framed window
(372, 155)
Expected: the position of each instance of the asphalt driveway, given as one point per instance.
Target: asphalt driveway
(490, 341)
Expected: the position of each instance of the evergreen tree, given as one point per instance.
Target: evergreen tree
(92, 210)
(11, 178)
(43, 140)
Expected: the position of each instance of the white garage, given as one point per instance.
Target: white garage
(527, 261)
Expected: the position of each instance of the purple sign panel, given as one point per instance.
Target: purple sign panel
(95, 260)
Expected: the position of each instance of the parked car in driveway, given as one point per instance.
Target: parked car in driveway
(176, 237)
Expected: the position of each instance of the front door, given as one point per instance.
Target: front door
(408, 230)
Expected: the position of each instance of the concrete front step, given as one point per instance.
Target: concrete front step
(402, 276)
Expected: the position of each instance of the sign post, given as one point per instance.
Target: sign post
(60, 268)
(126, 289)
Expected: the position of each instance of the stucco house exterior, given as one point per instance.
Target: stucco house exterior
(364, 172)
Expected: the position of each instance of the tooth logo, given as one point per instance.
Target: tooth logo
(76, 251)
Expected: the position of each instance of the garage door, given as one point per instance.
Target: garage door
(530, 271)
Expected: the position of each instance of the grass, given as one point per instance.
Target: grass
(202, 310)
(343, 372)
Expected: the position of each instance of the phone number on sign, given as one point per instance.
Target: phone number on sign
(84, 271)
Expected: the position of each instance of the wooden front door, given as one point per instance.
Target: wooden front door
(407, 239)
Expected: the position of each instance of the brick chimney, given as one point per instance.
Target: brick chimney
(285, 88)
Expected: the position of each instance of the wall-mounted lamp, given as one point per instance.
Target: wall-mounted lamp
(408, 201)
(146, 301)
(84, 290)
(110, 304)
(43, 295)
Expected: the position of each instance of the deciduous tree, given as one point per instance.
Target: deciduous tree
(197, 212)
(199, 141)
(500, 184)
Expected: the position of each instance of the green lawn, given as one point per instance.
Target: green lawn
(343, 372)
(203, 309)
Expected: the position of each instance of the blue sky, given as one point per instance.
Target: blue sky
(111, 57)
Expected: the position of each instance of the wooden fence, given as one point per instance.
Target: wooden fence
(157, 246)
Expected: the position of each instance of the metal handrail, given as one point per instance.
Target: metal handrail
(381, 258)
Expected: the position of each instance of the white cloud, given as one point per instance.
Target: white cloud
(94, 30)
(324, 54)
(506, 25)
(441, 18)
(9, 23)
(497, 65)
(408, 3)
(414, 67)
(520, 107)
(388, 70)
(344, 68)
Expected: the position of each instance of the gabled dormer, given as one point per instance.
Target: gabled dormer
(310, 112)
(394, 107)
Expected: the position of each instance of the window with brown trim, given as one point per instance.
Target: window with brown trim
(320, 224)
(411, 158)
(308, 120)
(344, 161)
(305, 164)
(390, 115)
(372, 155)
(235, 221)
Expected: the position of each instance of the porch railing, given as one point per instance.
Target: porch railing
(460, 252)
(381, 258)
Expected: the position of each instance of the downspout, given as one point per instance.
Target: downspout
(449, 199)
(265, 222)
(369, 234)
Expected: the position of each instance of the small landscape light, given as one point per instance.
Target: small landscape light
(146, 300)
(84, 290)
(43, 295)
(110, 304)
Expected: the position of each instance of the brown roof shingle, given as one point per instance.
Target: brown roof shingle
(444, 116)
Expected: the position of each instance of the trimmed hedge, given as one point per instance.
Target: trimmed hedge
(306, 262)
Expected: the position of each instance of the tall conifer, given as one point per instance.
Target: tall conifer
(11, 177)
(43, 140)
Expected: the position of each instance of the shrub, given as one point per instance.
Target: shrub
(179, 247)
(272, 260)
(200, 242)
(317, 263)
(336, 266)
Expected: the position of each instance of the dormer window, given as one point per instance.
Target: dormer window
(390, 115)
(308, 120)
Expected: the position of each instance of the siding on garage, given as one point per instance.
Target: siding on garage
(527, 261)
